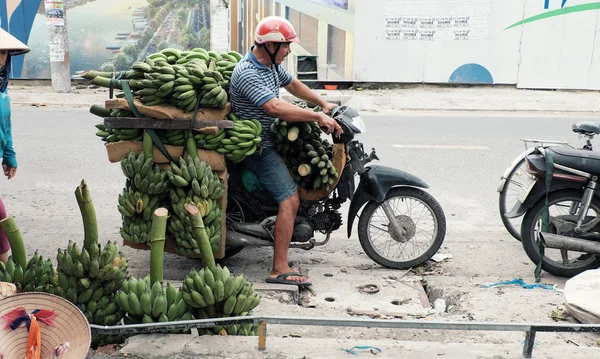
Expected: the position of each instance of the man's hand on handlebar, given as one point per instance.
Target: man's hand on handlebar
(330, 125)
(328, 106)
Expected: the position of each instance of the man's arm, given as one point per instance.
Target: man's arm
(301, 91)
(292, 113)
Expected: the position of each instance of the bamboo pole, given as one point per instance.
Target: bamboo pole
(208, 258)
(88, 214)
(157, 244)
(17, 247)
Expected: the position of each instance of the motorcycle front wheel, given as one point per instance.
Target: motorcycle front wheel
(559, 262)
(420, 218)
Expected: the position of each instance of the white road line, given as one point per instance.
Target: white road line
(437, 147)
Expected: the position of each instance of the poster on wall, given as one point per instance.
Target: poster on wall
(55, 13)
(429, 20)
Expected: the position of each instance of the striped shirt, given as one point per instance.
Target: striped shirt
(252, 84)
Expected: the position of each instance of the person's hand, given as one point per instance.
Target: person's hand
(9, 172)
(328, 107)
(329, 125)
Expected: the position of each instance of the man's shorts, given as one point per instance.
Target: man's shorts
(272, 173)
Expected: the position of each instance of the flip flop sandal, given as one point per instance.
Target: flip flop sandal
(282, 279)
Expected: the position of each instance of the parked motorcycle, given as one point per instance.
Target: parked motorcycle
(564, 179)
(400, 226)
(515, 175)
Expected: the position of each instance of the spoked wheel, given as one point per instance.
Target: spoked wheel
(559, 262)
(420, 230)
(234, 213)
(508, 197)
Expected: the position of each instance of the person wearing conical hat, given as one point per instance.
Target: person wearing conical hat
(9, 46)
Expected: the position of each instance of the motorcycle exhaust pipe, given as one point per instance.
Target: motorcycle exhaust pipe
(237, 239)
(571, 244)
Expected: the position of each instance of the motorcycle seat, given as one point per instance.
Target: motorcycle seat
(583, 160)
(587, 127)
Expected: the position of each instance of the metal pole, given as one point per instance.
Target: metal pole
(529, 342)
(262, 336)
(56, 22)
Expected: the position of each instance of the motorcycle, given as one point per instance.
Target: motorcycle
(515, 175)
(382, 191)
(562, 180)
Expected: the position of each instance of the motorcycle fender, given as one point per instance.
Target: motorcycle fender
(375, 183)
(538, 192)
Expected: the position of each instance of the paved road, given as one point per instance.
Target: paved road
(461, 156)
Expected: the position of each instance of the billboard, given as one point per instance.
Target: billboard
(342, 4)
(103, 35)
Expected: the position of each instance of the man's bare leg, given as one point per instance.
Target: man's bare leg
(284, 227)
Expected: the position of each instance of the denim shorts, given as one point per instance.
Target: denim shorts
(272, 173)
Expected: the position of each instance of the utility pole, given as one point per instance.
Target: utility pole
(56, 22)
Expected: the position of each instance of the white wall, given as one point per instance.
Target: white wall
(555, 52)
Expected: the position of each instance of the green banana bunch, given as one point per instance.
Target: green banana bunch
(219, 294)
(197, 174)
(143, 175)
(209, 142)
(115, 135)
(195, 182)
(135, 203)
(307, 156)
(38, 276)
(242, 140)
(145, 303)
(171, 137)
(89, 278)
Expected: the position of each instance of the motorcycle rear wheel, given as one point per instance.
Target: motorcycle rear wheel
(398, 198)
(508, 197)
(530, 242)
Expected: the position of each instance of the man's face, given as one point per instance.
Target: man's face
(3, 55)
(284, 51)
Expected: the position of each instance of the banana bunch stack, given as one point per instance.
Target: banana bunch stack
(145, 303)
(242, 140)
(147, 186)
(89, 278)
(209, 142)
(116, 135)
(195, 182)
(217, 294)
(38, 276)
(307, 155)
(175, 77)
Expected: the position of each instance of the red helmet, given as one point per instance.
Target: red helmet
(274, 29)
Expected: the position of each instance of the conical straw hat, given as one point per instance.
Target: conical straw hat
(10, 43)
(70, 325)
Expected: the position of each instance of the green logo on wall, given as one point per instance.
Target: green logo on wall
(558, 12)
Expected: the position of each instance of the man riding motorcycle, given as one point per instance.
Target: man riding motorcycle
(254, 93)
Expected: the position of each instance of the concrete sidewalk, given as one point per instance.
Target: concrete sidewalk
(154, 346)
(408, 98)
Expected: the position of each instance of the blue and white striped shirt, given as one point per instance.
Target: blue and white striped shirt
(252, 84)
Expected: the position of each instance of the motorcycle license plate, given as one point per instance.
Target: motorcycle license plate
(527, 186)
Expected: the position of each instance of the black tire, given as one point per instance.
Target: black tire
(513, 226)
(409, 192)
(235, 212)
(529, 240)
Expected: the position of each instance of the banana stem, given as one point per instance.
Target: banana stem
(17, 247)
(88, 213)
(157, 244)
(147, 144)
(200, 235)
(191, 146)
